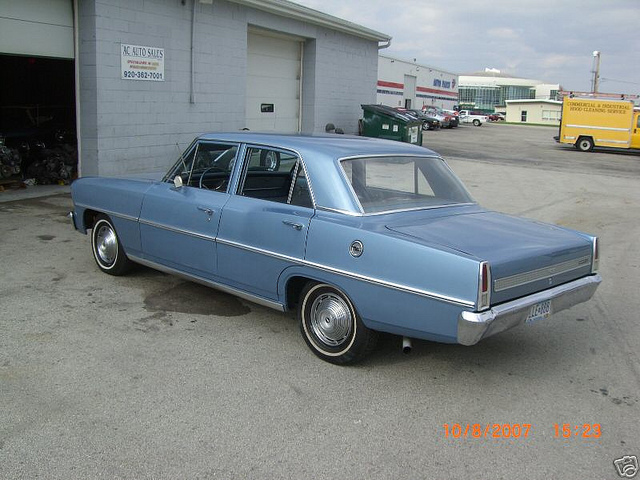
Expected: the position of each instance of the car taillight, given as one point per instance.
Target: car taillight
(484, 286)
(595, 262)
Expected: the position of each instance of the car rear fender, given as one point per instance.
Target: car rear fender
(389, 259)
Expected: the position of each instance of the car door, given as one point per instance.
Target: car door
(264, 226)
(179, 224)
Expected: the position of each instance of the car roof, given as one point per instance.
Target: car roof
(329, 145)
(320, 154)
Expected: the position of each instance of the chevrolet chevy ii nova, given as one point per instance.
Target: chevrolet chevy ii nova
(358, 235)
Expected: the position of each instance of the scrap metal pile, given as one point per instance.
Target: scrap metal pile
(9, 162)
(38, 164)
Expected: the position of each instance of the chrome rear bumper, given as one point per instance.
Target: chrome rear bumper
(474, 326)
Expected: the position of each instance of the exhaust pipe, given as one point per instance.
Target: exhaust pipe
(406, 345)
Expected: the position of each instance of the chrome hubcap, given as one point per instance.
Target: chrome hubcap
(106, 245)
(331, 319)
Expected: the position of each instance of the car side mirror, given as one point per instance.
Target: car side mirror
(177, 182)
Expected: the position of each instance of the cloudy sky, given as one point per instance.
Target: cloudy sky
(548, 40)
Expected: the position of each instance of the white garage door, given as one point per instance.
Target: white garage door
(41, 28)
(273, 83)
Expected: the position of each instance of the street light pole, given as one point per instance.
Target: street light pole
(596, 72)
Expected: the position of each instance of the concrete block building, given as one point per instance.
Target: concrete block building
(147, 76)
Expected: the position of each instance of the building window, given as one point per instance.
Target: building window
(523, 116)
(513, 92)
(550, 115)
(479, 97)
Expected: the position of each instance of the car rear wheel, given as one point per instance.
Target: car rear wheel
(584, 144)
(476, 122)
(331, 327)
(107, 249)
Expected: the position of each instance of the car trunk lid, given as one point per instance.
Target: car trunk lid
(525, 256)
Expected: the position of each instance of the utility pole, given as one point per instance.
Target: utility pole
(596, 72)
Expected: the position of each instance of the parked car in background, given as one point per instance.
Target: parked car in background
(495, 117)
(428, 122)
(358, 235)
(476, 119)
(454, 120)
(444, 119)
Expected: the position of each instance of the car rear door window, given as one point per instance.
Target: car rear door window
(275, 175)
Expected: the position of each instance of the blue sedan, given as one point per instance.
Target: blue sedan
(358, 235)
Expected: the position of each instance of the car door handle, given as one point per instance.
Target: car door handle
(297, 226)
(207, 210)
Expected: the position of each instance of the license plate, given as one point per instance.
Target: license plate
(539, 311)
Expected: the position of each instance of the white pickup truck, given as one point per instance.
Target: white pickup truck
(467, 117)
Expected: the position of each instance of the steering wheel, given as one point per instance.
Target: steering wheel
(201, 183)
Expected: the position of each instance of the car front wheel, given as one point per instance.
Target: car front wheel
(331, 327)
(107, 249)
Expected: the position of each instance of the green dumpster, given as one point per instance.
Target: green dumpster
(381, 121)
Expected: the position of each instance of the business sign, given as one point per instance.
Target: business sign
(142, 63)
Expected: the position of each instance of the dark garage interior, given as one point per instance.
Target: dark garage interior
(38, 141)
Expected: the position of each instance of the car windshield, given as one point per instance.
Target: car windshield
(384, 184)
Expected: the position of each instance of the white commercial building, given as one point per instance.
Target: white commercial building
(540, 112)
(488, 91)
(408, 84)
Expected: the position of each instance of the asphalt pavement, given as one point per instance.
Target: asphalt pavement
(151, 377)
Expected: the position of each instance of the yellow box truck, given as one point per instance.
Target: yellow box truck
(593, 122)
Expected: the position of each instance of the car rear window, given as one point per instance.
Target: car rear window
(384, 184)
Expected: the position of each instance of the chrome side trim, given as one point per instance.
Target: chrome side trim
(357, 214)
(474, 326)
(210, 283)
(525, 278)
(261, 251)
(298, 261)
(595, 127)
(108, 212)
(395, 286)
(339, 210)
(295, 178)
(72, 217)
(169, 228)
(435, 207)
(355, 276)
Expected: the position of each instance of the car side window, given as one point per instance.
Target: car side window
(300, 193)
(206, 165)
(275, 175)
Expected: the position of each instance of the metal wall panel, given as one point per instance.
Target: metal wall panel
(37, 27)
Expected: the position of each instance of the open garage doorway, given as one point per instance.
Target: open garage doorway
(37, 119)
